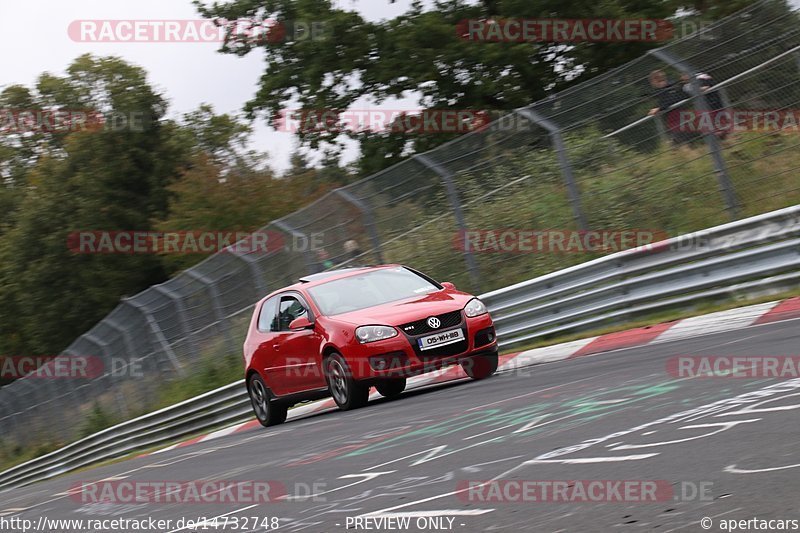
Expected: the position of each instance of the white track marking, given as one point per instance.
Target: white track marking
(592, 460)
(733, 470)
(718, 322)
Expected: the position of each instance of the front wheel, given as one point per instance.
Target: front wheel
(269, 412)
(391, 388)
(347, 392)
(480, 366)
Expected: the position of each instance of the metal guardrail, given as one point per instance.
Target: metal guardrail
(758, 253)
(223, 406)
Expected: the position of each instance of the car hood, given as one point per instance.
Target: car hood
(406, 310)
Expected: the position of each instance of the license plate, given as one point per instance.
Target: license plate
(441, 339)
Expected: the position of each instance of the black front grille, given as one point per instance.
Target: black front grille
(421, 327)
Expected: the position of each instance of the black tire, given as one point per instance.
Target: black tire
(268, 411)
(391, 388)
(480, 366)
(346, 391)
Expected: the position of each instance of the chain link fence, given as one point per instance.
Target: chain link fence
(587, 158)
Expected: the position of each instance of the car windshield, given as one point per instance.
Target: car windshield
(369, 289)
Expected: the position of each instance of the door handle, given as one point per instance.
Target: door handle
(276, 346)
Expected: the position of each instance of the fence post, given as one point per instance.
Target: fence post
(126, 339)
(662, 131)
(455, 203)
(155, 329)
(181, 312)
(252, 264)
(563, 162)
(215, 302)
(53, 391)
(79, 393)
(714, 146)
(30, 400)
(8, 419)
(369, 219)
(311, 263)
(108, 360)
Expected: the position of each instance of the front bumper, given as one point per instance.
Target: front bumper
(401, 356)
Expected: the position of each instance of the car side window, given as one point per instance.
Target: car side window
(267, 314)
(289, 309)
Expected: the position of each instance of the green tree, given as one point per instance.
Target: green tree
(421, 53)
(418, 52)
(112, 178)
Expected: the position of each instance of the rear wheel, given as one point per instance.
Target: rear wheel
(480, 366)
(269, 412)
(391, 388)
(347, 392)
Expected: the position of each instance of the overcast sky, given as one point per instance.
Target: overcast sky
(34, 39)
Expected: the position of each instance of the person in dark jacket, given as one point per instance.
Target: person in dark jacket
(668, 94)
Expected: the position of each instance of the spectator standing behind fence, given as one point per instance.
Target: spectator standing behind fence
(324, 260)
(351, 249)
(712, 96)
(668, 94)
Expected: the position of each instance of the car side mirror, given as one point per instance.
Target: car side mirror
(299, 324)
(449, 286)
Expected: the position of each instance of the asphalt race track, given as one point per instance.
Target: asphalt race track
(451, 457)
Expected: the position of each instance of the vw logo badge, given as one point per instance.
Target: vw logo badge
(434, 322)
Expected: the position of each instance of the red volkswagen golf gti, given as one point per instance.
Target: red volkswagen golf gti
(339, 333)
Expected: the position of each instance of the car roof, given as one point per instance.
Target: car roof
(331, 274)
(312, 280)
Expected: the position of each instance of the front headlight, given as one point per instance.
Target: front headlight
(475, 308)
(366, 334)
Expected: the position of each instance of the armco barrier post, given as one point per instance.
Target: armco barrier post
(563, 162)
(714, 146)
(455, 204)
